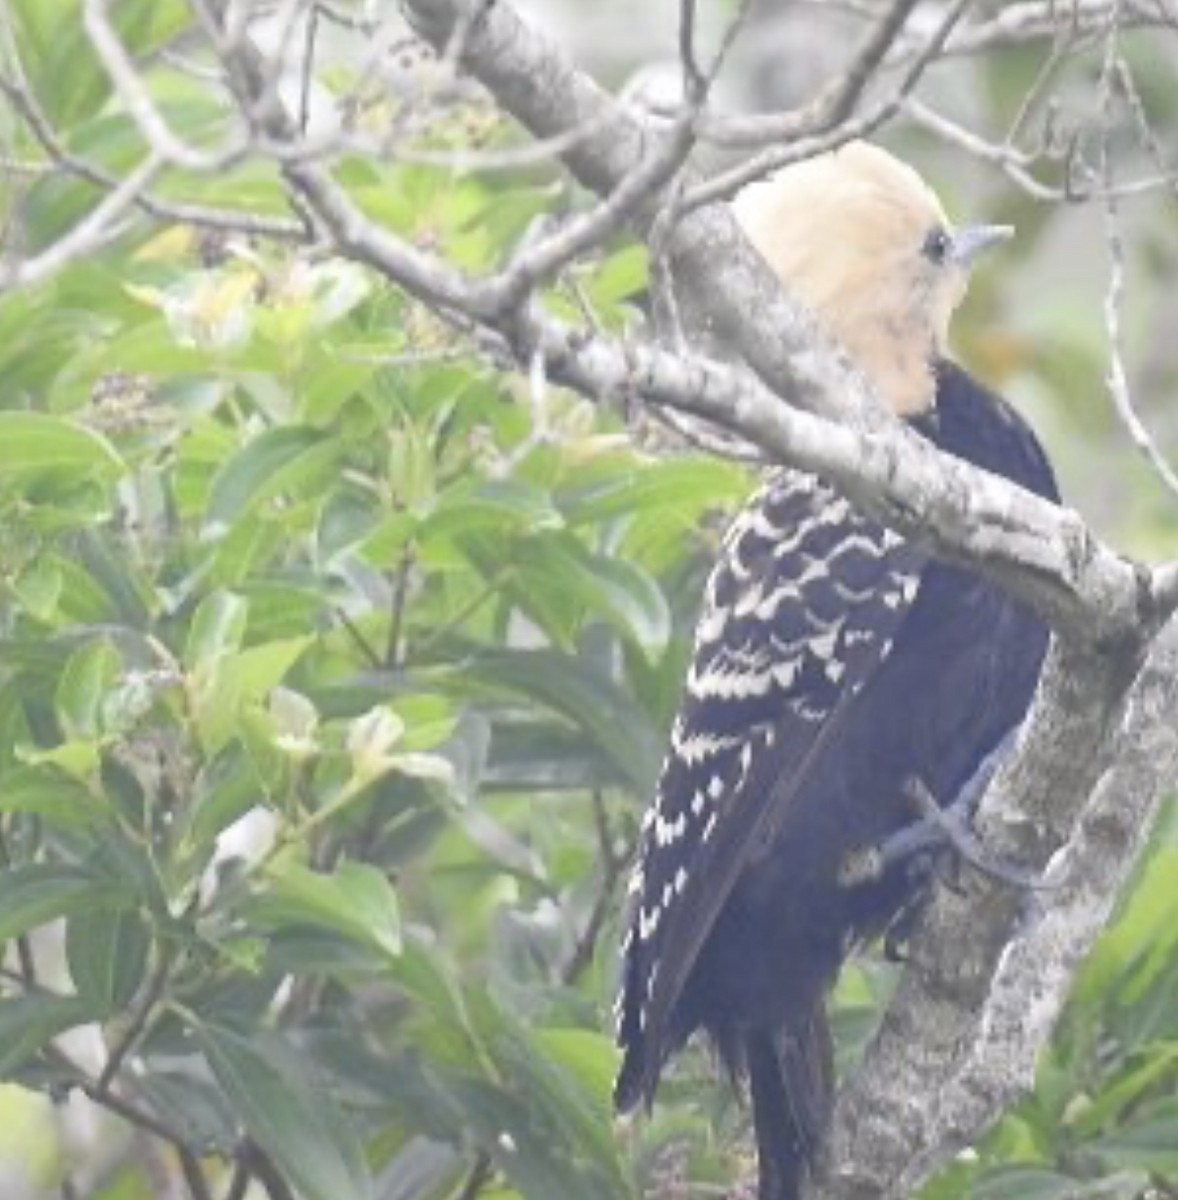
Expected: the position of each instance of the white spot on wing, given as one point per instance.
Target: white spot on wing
(822, 645)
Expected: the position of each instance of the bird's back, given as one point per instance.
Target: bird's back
(953, 674)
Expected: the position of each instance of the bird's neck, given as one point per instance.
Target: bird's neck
(897, 364)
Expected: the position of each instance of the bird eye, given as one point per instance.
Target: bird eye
(936, 246)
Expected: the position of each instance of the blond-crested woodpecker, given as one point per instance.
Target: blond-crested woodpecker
(835, 662)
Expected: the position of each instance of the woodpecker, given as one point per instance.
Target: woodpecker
(835, 663)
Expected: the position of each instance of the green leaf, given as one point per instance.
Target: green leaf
(290, 1112)
(240, 679)
(592, 1057)
(629, 599)
(217, 629)
(82, 598)
(192, 1106)
(223, 794)
(14, 731)
(420, 1169)
(38, 588)
(1147, 1144)
(556, 1096)
(621, 277)
(685, 485)
(1027, 1183)
(355, 900)
(109, 565)
(594, 703)
(543, 755)
(28, 1022)
(427, 975)
(252, 673)
(50, 793)
(1153, 1069)
(77, 758)
(286, 458)
(88, 677)
(34, 893)
(615, 590)
(495, 504)
(302, 950)
(107, 954)
(33, 442)
(71, 82)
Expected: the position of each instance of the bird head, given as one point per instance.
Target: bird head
(860, 239)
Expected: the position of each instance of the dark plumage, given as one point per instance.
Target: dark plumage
(834, 662)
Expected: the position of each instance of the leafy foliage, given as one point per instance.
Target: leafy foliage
(336, 668)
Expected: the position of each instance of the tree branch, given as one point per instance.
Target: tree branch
(101, 225)
(986, 983)
(164, 210)
(1046, 553)
(830, 107)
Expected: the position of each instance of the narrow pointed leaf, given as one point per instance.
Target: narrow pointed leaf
(28, 1022)
(31, 442)
(290, 1112)
(34, 893)
(355, 900)
(107, 954)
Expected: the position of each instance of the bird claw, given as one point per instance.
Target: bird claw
(953, 828)
(921, 848)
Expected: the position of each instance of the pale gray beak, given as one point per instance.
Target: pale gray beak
(967, 243)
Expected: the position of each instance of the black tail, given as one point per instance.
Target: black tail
(790, 1082)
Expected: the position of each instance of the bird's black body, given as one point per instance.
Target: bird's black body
(834, 662)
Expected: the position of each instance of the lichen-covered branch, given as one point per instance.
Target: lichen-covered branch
(987, 983)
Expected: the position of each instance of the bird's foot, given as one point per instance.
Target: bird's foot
(915, 847)
(935, 847)
(951, 830)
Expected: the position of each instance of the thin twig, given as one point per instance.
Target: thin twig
(698, 88)
(240, 1180)
(832, 105)
(394, 653)
(193, 1172)
(1014, 164)
(139, 105)
(1006, 158)
(613, 863)
(1135, 102)
(1020, 24)
(139, 1022)
(99, 227)
(369, 652)
(548, 256)
(111, 1101)
(727, 183)
(1117, 378)
(266, 1171)
(479, 1175)
(24, 948)
(693, 77)
(345, 18)
(306, 73)
(494, 584)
